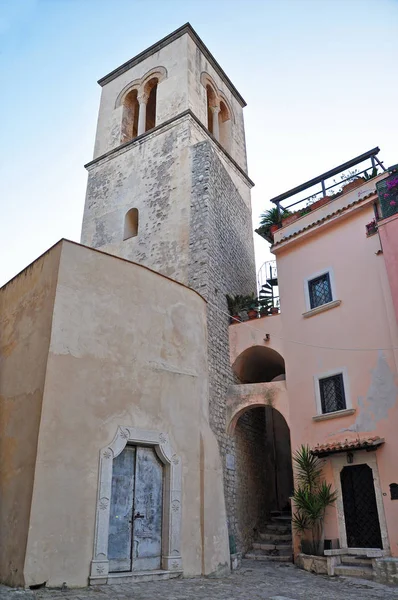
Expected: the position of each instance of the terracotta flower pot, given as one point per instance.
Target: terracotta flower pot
(290, 219)
(274, 228)
(320, 202)
(252, 313)
(274, 310)
(353, 184)
(236, 319)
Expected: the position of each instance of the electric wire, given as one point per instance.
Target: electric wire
(248, 324)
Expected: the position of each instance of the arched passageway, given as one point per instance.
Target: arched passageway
(264, 474)
(259, 364)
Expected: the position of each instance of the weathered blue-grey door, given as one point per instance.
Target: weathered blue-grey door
(135, 523)
(121, 511)
(148, 500)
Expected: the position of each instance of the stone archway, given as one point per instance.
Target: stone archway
(264, 472)
(258, 364)
(257, 418)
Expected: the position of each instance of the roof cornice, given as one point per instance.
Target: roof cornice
(185, 29)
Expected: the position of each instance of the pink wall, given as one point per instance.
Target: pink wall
(356, 337)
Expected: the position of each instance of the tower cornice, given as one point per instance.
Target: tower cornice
(137, 140)
(185, 29)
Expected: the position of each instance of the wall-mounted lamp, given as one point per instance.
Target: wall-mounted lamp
(350, 458)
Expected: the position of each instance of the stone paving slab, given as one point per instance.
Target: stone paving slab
(254, 581)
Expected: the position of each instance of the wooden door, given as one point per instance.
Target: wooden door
(135, 522)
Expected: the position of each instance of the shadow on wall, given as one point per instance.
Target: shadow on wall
(259, 365)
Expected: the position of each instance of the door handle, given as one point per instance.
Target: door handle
(139, 516)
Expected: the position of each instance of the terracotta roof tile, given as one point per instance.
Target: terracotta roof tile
(347, 445)
(326, 218)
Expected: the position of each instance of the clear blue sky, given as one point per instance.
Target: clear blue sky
(319, 77)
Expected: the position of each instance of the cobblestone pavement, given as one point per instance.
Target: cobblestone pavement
(254, 581)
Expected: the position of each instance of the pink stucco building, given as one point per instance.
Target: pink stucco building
(328, 361)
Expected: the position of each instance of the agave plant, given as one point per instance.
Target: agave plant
(311, 498)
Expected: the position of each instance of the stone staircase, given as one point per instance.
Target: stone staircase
(355, 566)
(275, 542)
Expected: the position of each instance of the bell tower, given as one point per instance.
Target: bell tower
(168, 188)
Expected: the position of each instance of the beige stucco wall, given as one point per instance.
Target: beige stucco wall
(128, 347)
(26, 306)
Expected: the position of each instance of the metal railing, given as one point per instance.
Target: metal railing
(323, 180)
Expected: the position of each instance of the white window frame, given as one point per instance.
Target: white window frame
(328, 271)
(348, 403)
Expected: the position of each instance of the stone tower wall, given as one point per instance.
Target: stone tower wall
(222, 262)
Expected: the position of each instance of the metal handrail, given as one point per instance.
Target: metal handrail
(371, 154)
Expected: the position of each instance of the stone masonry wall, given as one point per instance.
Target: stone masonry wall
(252, 493)
(221, 262)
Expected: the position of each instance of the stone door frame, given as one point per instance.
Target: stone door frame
(361, 457)
(171, 523)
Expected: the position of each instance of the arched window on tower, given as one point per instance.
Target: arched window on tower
(211, 103)
(224, 125)
(130, 117)
(151, 89)
(131, 224)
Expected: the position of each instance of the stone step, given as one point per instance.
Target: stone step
(351, 571)
(276, 548)
(357, 561)
(274, 558)
(282, 519)
(275, 537)
(278, 527)
(281, 513)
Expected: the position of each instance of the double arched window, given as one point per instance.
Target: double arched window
(139, 102)
(219, 114)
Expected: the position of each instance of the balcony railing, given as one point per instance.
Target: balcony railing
(328, 184)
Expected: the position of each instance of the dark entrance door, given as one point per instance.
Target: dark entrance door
(360, 508)
(135, 522)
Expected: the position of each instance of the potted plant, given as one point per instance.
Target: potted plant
(235, 305)
(351, 185)
(321, 202)
(290, 219)
(252, 306)
(265, 306)
(270, 221)
(311, 498)
(367, 176)
(274, 310)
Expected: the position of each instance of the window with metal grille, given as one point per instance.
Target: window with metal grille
(332, 393)
(320, 290)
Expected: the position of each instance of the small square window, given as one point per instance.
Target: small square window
(332, 393)
(320, 290)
